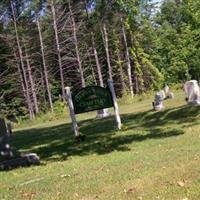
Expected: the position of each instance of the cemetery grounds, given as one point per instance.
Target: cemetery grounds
(156, 155)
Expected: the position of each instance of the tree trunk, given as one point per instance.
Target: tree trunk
(22, 82)
(103, 112)
(127, 59)
(100, 77)
(45, 66)
(58, 50)
(76, 46)
(105, 38)
(97, 61)
(121, 73)
(92, 68)
(33, 90)
(26, 87)
(136, 85)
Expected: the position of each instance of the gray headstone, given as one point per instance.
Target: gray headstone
(3, 128)
(5, 149)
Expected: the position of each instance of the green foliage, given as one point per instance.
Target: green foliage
(163, 42)
(60, 112)
(60, 107)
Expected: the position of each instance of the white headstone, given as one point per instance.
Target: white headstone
(192, 92)
(166, 89)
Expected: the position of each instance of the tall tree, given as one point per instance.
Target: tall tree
(30, 108)
(46, 77)
(74, 27)
(58, 48)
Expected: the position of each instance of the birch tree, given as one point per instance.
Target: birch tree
(105, 39)
(30, 108)
(58, 48)
(81, 71)
(46, 77)
(128, 63)
(31, 79)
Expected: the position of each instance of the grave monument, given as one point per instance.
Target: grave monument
(192, 92)
(9, 157)
(160, 97)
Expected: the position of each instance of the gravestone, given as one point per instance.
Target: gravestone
(161, 96)
(5, 132)
(192, 92)
(9, 157)
(103, 113)
(158, 100)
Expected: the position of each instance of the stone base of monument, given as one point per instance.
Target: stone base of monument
(158, 106)
(170, 95)
(102, 113)
(20, 161)
(195, 102)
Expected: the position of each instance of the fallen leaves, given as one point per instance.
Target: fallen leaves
(28, 195)
(65, 175)
(130, 190)
(181, 183)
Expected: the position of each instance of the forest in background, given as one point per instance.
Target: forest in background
(46, 45)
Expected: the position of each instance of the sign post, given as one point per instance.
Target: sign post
(116, 108)
(72, 113)
(89, 99)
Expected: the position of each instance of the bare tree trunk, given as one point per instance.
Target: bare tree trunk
(45, 66)
(136, 85)
(21, 81)
(105, 37)
(44, 89)
(92, 68)
(103, 112)
(121, 73)
(76, 47)
(127, 59)
(100, 77)
(97, 61)
(30, 109)
(58, 49)
(33, 90)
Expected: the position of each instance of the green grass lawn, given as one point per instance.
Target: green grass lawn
(155, 156)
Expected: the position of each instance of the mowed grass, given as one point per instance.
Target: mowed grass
(155, 156)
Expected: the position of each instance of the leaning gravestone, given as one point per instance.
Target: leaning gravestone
(9, 157)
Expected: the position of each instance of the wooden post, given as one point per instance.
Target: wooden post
(116, 108)
(72, 113)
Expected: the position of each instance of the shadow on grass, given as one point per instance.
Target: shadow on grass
(57, 143)
(179, 115)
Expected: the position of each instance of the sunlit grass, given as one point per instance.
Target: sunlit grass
(155, 156)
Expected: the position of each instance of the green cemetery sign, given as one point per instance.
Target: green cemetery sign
(91, 98)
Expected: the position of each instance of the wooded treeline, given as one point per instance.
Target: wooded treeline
(46, 45)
